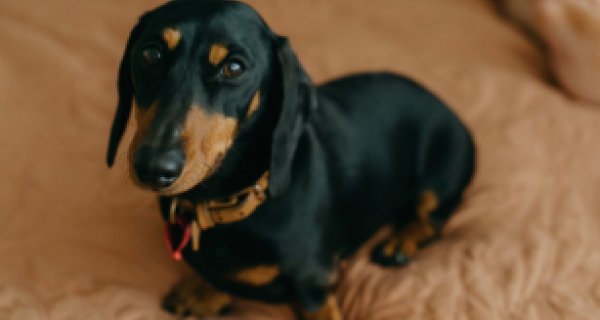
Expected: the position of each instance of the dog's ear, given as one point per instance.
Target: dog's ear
(125, 92)
(297, 99)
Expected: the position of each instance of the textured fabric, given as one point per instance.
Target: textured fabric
(79, 241)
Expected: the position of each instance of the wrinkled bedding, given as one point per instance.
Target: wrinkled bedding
(79, 241)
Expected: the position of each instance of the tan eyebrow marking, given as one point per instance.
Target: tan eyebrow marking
(254, 104)
(171, 37)
(218, 52)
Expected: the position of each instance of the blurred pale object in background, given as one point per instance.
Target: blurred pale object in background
(570, 29)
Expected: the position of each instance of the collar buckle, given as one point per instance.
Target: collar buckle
(234, 208)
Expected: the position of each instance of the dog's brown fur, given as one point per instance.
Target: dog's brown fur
(207, 137)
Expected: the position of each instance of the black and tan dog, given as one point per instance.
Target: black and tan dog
(267, 181)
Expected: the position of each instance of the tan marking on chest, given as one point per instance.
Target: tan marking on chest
(218, 52)
(254, 104)
(171, 37)
(256, 276)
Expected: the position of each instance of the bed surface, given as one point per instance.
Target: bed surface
(79, 241)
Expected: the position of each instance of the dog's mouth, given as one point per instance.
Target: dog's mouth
(206, 139)
(193, 175)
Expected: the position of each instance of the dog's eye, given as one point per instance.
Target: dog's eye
(151, 55)
(232, 69)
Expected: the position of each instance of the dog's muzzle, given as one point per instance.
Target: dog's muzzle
(158, 169)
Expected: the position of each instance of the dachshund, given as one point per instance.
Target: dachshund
(267, 181)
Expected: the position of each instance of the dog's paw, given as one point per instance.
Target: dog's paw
(196, 298)
(398, 250)
(388, 255)
(406, 241)
(329, 311)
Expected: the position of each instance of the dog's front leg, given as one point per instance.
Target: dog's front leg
(195, 297)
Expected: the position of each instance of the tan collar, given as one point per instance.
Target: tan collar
(235, 208)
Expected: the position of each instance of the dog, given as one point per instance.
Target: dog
(267, 181)
(570, 32)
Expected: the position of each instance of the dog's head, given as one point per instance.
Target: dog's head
(200, 75)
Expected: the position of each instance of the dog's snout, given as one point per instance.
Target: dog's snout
(157, 169)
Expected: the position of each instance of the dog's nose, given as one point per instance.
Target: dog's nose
(158, 170)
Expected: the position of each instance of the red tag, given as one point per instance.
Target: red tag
(187, 235)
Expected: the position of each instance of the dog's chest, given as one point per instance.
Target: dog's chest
(240, 263)
(232, 253)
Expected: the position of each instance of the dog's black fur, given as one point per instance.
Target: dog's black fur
(345, 158)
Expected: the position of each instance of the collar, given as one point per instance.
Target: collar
(212, 212)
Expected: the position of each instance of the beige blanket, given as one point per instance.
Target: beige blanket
(79, 241)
